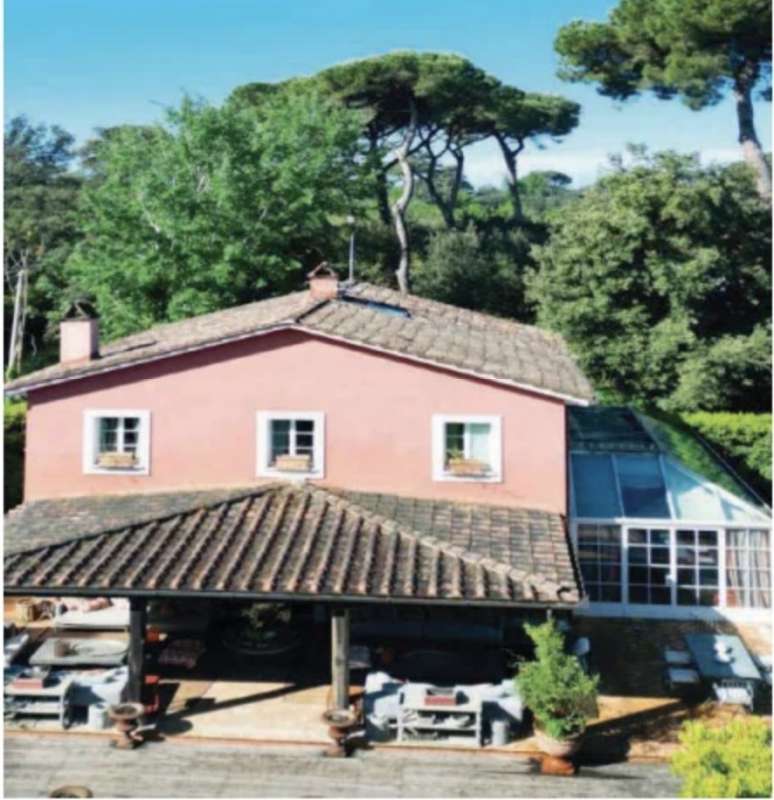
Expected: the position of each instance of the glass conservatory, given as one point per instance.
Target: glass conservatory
(655, 538)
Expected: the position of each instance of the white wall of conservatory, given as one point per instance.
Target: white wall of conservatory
(654, 539)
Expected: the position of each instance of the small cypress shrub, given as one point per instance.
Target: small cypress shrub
(561, 696)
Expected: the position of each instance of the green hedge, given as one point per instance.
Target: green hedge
(13, 453)
(743, 439)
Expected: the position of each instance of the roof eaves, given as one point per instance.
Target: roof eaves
(19, 387)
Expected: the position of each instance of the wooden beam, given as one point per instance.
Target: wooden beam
(137, 620)
(340, 658)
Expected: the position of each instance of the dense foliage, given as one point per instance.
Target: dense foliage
(40, 229)
(554, 686)
(657, 305)
(743, 438)
(13, 453)
(215, 208)
(730, 761)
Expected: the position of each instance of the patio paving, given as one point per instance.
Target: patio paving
(35, 764)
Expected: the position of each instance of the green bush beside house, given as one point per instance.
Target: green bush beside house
(732, 761)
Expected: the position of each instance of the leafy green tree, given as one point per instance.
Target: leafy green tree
(730, 761)
(409, 99)
(544, 191)
(41, 196)
(659, 268)
(697, 49)
(469, 270)
(216, 207)
(421, 112)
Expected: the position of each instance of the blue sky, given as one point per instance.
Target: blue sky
(94, 63)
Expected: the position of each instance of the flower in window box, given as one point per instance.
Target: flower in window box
(113, 460)
(297, 463)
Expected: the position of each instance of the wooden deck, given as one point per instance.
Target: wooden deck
(35, 764)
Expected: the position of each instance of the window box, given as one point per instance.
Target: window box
(117, 460)
(467, 467)
(288, 463)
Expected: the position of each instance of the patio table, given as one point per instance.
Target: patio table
(739, 667)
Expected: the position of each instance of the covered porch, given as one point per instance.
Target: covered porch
(417, 583)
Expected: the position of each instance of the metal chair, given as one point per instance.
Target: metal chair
(764, 665)
(733, 692)
(581, 649)
(683, 682)
(677, 658)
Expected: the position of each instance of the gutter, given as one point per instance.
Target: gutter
(190, 594)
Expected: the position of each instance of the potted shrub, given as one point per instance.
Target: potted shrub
(458, 465)
(729, 761)
(289, 463)
(555, 687)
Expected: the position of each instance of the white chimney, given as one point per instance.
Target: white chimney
(323, 282)
(79, 334)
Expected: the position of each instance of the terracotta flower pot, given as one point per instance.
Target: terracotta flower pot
(559, 748)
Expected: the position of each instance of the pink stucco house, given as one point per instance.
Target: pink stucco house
(350, 447)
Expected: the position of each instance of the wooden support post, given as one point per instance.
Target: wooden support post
(340, 658)
(137, 619)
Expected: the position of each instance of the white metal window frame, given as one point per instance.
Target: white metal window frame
(439, 423)
(673, 610)
(264, 420)
(91, 420)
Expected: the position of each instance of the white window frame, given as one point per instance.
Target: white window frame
(91, 418)
(672, 611)
(439, 423)
(263, 444)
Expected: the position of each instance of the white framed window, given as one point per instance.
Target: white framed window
(291, 444)
(467, 448)
(116, 441)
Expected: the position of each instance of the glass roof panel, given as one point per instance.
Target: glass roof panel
(734, 512)
(642, 487)
(608, 428)
(594, 487)
(690, 498)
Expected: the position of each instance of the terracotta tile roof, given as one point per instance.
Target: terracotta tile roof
(285, 541)
(371, 316)
(518, 537)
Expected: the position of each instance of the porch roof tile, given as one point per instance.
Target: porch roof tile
(290, 541)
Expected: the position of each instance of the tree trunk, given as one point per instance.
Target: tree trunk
(751, 147)
(510, 156)
(17, 325)
(401, 204)
(446, 209)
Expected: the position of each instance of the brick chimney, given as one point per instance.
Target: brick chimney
(79, 333)
(323, 282)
